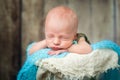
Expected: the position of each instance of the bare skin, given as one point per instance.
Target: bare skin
(37, 46)
(60, 31)
(81, 48)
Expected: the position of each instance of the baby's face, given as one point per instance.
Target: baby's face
(58, 35)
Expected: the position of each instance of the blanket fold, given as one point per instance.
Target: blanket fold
(77, 67)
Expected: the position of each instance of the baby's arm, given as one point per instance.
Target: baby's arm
(81, 48)
(37, 46)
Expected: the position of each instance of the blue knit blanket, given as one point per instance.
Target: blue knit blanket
(28, 70)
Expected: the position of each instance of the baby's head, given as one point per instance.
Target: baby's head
(60, 27)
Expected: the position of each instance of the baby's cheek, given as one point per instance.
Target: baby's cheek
(48, 43)
(67, 44)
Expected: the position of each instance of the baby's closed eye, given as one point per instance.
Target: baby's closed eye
(49, 36)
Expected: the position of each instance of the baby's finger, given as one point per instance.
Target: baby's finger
(51, 53)
(60, 51)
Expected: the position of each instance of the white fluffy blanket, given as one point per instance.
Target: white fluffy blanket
(77, 66)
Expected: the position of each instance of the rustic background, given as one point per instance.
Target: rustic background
(22, 21)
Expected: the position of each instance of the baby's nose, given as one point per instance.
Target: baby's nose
(56, 41)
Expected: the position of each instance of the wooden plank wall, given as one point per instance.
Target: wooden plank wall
(102, 20)
(32, 23)
(9, 39)
(98, 19)
(118, 21)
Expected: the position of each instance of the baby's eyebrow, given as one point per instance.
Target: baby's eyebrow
(65, 34)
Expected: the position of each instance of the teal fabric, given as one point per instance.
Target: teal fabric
(28, 70)
(111, 74)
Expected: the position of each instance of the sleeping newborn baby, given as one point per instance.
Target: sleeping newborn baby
(60, 36)
(60, 31)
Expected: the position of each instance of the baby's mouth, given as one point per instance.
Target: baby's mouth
(56, 48)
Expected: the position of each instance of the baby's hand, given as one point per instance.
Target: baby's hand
(37, 46)
(52, 52)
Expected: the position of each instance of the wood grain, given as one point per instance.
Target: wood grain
(118, 21)
(9, 39)
(102, 20)
(32, 23)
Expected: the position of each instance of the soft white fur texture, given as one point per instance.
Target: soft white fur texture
(80, 65)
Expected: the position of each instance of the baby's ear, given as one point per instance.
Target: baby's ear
(76, 37)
